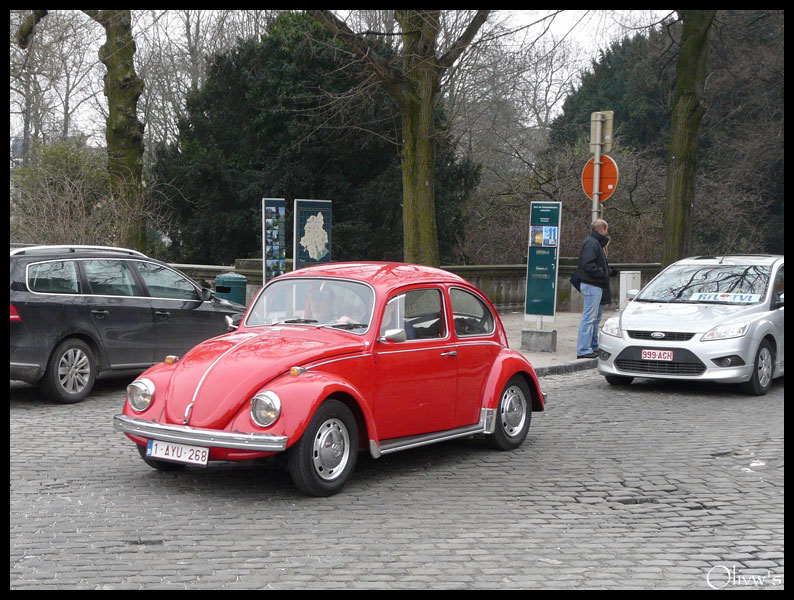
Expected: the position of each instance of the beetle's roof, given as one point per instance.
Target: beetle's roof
(384, 275)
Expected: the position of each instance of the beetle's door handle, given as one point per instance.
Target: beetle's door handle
(450, 353)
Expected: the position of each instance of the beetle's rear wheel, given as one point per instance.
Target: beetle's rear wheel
(513, 415)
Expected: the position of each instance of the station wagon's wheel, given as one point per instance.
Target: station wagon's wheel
(160, 465)
(763, 366)
(321, 461)
(71, 372)
(513, 415)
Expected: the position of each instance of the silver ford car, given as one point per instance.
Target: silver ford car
(717, 318)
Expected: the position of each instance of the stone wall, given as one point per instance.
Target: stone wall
(505, 285)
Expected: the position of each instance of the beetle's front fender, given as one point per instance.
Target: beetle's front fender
(300, 396)
(509, 363)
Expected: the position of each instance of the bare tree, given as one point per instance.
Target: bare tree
(415, 84)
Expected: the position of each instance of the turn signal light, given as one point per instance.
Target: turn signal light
(15, 315)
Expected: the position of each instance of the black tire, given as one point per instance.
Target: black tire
(763, 369)
(324, 457)
(513, 415)
(618, 379)
(160, 465)
(71, 372)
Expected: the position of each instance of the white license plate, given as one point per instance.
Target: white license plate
(191, 455)
(648, 354)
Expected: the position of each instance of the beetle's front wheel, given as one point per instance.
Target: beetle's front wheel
(322, 460)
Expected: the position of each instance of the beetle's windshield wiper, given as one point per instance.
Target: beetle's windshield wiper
(346, 325)
(295, 321)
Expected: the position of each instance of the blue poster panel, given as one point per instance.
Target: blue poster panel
(274, 250)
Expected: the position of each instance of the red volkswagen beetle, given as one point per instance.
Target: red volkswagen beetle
(332, 359)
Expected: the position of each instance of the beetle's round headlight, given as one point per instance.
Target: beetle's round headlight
(140, 393)
(265, 408)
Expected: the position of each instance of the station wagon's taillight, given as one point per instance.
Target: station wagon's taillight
(14, 314)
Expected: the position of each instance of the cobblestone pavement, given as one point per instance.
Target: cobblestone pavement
(658, 485)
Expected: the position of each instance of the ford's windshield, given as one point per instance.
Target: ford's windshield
(712, 284)
(335, 303)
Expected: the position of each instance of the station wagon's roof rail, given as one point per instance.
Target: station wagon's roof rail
(73, 248)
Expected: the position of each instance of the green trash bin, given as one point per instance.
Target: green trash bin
(231, 286)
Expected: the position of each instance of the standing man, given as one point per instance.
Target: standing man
(594, 275)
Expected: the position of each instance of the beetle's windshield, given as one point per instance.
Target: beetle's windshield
(712, 284)
(320, 302)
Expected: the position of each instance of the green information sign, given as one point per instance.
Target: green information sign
(543, 259)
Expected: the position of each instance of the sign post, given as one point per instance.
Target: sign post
(600, 144)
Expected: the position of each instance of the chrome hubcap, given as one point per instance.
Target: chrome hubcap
(764, 367)
(513, 411)
(73, 370)
(331, 449)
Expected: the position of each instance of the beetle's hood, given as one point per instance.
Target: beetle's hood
(220, 374)
(696, 318)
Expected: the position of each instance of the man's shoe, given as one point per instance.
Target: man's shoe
(590, 355)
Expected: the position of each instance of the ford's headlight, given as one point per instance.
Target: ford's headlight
(612, 326)
(140, 394)
(724, 332)
(265, 408)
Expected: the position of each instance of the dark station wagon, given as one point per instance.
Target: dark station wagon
(81, 311)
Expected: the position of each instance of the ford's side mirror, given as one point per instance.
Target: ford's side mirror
(631, 294)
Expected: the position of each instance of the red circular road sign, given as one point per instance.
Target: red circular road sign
(607, 177)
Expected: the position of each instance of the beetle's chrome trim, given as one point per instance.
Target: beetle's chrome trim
(333, 360)
(404, 350)
(486, 425)
(260, 442)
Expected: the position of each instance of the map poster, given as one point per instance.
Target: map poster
(312, 233)
(274, 251)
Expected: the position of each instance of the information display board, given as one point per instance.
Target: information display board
(543, 257)
(312, 233)
(274, 250)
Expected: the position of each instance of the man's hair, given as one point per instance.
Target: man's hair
(600, 224)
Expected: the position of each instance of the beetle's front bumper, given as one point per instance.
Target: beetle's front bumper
(210, 438)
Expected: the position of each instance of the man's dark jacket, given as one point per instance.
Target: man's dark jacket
(593, 265)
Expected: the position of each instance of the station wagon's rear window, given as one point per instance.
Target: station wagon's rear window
(53, 277)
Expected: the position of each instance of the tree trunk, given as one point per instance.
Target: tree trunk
(124, 132)
(417, 99)
(687, 116)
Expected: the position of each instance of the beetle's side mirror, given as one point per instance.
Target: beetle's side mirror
(393, 335)
(233, 321)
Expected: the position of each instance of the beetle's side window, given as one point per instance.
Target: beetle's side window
(472, 316)
(418, 312)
